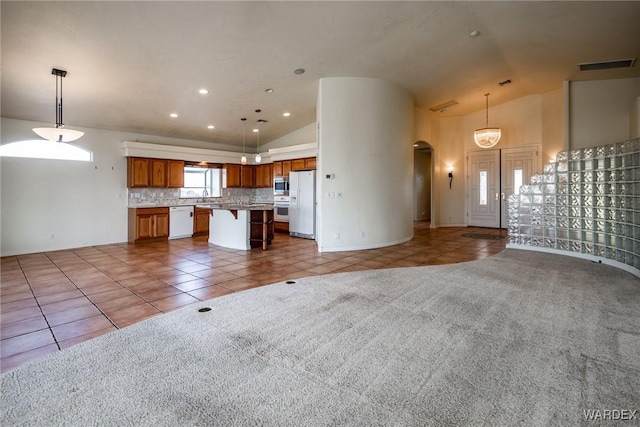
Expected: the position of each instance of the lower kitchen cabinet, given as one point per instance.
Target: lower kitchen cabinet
(148, 224)
(201, 222)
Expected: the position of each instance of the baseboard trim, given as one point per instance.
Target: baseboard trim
(592, 258)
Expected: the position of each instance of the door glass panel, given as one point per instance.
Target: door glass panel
(517, 180)
(483, 188)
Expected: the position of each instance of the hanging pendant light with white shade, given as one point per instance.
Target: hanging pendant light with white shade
(258, 157)
(58, 133)
(243, 159)
(487, 137)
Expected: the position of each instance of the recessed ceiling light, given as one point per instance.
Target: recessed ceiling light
(286, 114)
(299, 71)
(474, 33)
(173, 115)
(203, 91)
(255, 130)
(269, 90)
(211, 127)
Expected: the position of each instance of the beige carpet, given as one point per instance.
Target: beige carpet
(520, 338)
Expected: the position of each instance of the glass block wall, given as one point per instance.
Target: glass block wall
(586, 203)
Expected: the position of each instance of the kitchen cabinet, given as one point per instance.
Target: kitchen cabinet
(175, 173)
(308, 163)
(137, 172)
(158, 169)
(232, 175)
(281, 168)
(247, 176)
(286, 167)
(264, 178)
(297, 164)
(154, 173)
(277, 169)
(148, 224)
(201, 222)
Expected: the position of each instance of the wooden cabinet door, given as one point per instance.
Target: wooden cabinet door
(310, 163)
(161, 225)
(297, 164)
(175, 173)
(247, 178)
(232, 173)
(286, 168)
(277, 169)
(201, 221)
(263, 176)
(144, 226)
(138, 172)
(158, 173)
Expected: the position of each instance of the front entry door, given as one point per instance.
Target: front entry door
(518, 165)
(483, 187)
(493, 175)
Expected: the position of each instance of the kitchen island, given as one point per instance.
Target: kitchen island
(240, 226)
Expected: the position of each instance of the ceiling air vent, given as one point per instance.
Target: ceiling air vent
(444, 107)
(607, 65)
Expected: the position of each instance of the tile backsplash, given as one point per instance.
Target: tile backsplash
(144, 197)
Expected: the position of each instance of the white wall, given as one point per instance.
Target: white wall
(634, 120)
(599, 111)
(365, 139)
(304, 135)
(82, 203)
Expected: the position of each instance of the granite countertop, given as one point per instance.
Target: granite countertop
(237, 206)
(218, 206)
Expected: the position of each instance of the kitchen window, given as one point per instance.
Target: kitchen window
(201, 182)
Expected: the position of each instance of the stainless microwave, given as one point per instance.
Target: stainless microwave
(281, 185)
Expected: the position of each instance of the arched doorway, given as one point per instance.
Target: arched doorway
(423, 166)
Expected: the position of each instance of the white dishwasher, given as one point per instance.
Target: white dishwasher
(180, 221)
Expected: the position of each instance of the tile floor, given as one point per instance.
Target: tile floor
(52, 300)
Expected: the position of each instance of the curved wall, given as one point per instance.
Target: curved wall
(365, 144)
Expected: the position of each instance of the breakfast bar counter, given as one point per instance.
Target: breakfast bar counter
(240, 226)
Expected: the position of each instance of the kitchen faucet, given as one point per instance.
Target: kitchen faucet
(205, 193)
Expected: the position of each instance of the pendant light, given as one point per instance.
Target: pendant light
(243, 159)
(258, 156)
(487, 137)
(58, 133)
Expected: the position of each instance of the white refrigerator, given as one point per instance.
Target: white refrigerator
(302, 204)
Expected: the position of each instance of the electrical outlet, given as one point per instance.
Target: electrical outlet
(336, 236)
(52, 236)
(362, 234)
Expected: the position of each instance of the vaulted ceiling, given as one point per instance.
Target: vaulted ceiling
(131, 64)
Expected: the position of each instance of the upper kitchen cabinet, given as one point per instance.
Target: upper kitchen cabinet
(247, 176)
(231, 175)
(281, 168)
(264, 176)
(158, 172)
(308, 163)
(175, 173)
(143, 172)
(138, 172)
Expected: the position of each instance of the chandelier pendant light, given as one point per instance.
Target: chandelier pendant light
(58, 133)
(487, 137)
(243, 159)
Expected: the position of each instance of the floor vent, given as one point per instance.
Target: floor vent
(607, 65)
(444, 107)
